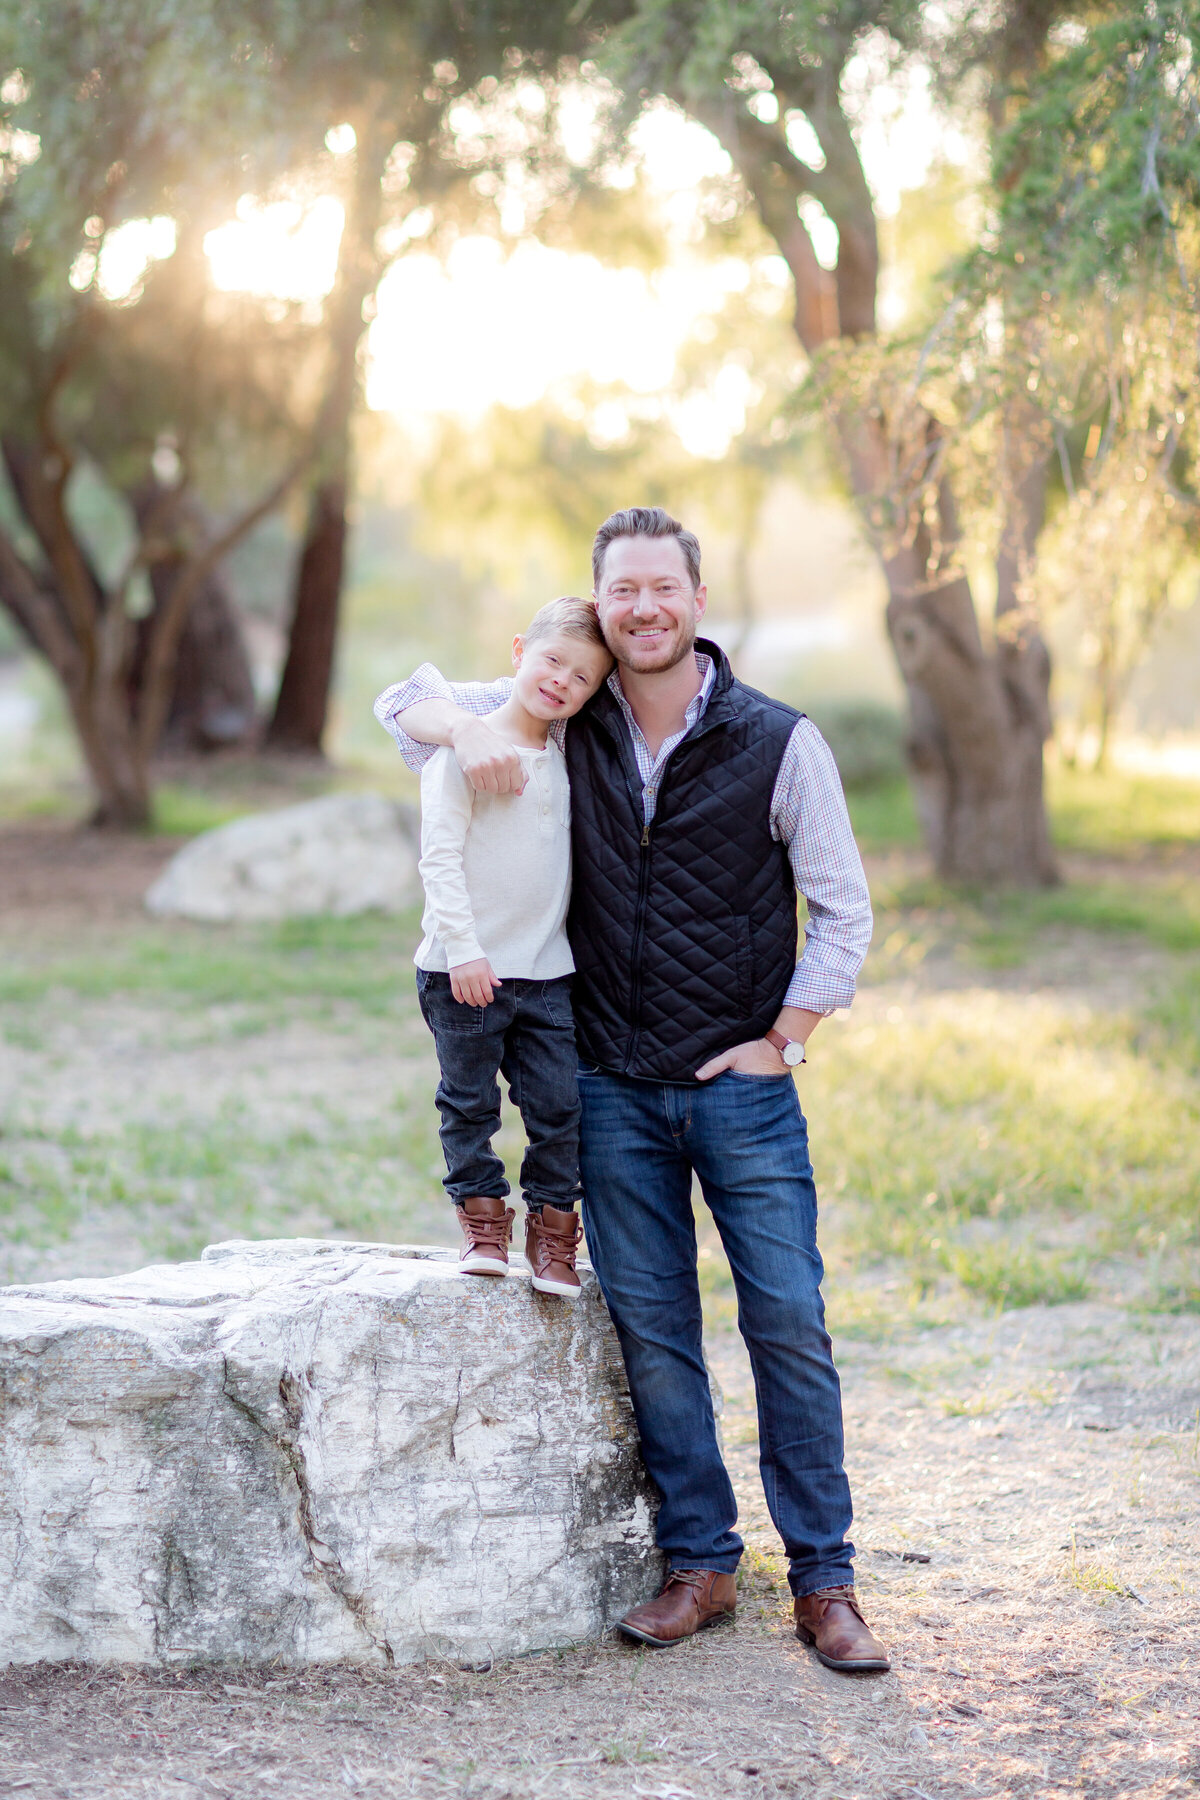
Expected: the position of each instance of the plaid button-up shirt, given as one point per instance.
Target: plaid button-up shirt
(808, 814)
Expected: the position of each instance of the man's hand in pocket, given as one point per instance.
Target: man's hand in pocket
(473, 982)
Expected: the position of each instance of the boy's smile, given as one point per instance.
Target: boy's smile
(556, 674)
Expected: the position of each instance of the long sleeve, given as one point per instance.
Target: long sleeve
(428, 683)
(446, 804)
(808, 814)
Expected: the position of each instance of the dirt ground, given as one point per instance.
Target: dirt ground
(1029, 1547)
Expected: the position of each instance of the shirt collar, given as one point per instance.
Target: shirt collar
(695, 708)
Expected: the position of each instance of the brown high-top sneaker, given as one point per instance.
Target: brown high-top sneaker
(691, 1600)
(487, 1227)
(832, 1623)
(551, 1238)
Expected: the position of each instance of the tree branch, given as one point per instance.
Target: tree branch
(36, 613)
(773, 176)
(168, 629)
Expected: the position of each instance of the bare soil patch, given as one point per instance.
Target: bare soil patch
(1026, 1485)
(54, 876)
(1027, 1496)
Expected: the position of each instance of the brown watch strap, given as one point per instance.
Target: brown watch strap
(777, 1038)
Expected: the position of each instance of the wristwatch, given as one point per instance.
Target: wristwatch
(791, 1049)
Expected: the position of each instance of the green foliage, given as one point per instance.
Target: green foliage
(1098, 173)
(867, 740)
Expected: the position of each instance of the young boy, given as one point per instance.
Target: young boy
(494, 966)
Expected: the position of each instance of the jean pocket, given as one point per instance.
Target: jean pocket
(588, 1069)
(556, 998)
(445, 1013)
(750, 1075)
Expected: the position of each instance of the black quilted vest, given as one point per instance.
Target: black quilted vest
(683, 932)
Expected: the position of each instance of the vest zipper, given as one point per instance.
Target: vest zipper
(639, 933)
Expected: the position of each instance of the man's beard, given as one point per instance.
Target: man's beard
(670, 658)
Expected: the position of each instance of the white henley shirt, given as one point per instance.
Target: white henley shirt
(497, 869)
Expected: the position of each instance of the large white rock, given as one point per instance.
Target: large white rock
(342, 854)
(310, 1451)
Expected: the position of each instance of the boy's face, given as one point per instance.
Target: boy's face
(555, 674)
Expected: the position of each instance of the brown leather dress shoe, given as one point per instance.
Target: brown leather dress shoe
(832, 1622)
(691, 1600)
(487, 1227)
(551, 1239)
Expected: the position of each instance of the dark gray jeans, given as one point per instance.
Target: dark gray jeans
(527, 1035)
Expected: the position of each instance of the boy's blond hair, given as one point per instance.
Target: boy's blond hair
(569, 615)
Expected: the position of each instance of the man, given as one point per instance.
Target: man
(699, 808)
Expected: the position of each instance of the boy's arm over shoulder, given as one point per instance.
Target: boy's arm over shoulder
(427, 683)
(447, 800)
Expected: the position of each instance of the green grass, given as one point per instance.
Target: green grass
(1113, 814)
(1004, 1144)
(186, 811)
(179, 1186)
(1110, 814)
(977, 1146)
(363, 961)
(1002, 929)
(884, 817)
(1004, 1275)
(1173, 1020)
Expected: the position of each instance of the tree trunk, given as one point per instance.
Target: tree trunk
(212, 698)
(302, 705)
(87, 635)
(212, 707)
(978, 717)
(118, 772)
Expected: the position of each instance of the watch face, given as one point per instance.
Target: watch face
(793, 1055)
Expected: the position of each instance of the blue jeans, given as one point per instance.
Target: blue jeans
(527, 1034)
(744, 1136)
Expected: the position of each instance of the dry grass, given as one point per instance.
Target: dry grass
(1045, 1458)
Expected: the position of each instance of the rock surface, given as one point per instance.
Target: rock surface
(343, 854)
(306, 1451)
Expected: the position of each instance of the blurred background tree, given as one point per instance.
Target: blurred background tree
(997, 357)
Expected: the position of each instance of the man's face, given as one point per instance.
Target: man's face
(649, 609)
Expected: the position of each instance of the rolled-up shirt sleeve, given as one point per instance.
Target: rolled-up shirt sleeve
(428, 683)
(808, 814)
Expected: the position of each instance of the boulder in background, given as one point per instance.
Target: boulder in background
(342, 854)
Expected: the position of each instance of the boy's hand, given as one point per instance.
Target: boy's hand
(489, 762)
(472, 982)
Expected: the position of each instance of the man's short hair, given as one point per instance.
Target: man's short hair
(569, 615)
(645, 521)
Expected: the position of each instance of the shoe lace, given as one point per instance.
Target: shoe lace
(693, 1578)
(831, 1596)
(492, 1234)
(554, 1246)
